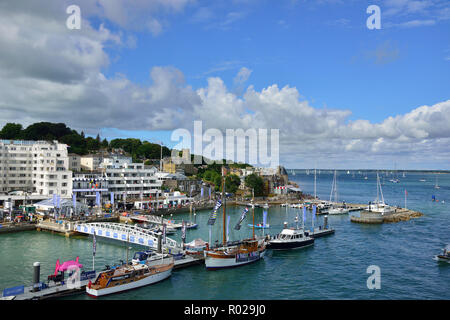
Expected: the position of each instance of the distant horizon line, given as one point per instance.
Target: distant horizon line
(372, 170)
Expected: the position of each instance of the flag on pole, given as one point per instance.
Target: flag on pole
(228, 225)
(264, 218)
(314, 213)
(304, 213)
(74, 201)
(112, 198)
(183, 231)
(212, 218)
(243, 215)
(209, 192)
(94, 244)
(164, 233)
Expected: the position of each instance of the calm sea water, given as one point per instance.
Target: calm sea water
(334, 268)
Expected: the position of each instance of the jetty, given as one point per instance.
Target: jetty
(400, 214)
(51, 289)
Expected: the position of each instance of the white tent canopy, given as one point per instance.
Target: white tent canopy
(65, 204)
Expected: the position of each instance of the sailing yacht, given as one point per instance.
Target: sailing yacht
(235, 253)
(335, 209)
(395, 180)
(379, 206)
(436, 186)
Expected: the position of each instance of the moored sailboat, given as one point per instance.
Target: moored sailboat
(379, 206)
(335, 209)
(236, 253)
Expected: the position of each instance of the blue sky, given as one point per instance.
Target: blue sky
(311, 69)
(326, 51)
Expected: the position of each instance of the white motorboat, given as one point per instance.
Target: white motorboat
(340, 210)
(290, 238)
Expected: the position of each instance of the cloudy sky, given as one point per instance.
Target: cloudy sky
(342, 96)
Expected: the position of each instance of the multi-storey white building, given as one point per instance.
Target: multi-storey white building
(115, 161)
(133, 181)
(91, 162)
(74, 162)
(36, 167)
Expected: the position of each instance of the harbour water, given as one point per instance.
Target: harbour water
(334, 268)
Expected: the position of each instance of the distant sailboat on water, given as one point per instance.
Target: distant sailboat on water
(436, 186)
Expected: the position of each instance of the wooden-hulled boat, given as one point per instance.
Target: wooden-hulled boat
(130, 276)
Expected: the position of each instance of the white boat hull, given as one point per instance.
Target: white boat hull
(129, 286)
(337, 211)
(212, 263)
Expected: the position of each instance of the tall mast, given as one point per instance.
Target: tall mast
(314, 183)
(253, 211)
(335, 187)
(224, 239)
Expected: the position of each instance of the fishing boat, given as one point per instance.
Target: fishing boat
(335, 209)
(130, 276)
(237, 253)
(379, 206)
(445, 256)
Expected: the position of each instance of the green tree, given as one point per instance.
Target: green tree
(253, 181)
(217, 180)
(11, 131)
(232, 183)
(92, 144)
(105, 143)
(45, 131)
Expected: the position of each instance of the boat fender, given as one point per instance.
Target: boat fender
(89, 284)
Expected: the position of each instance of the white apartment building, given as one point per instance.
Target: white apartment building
(133, 181)
(115, 161)
(36, 167)
(74, 162)
(91, 162)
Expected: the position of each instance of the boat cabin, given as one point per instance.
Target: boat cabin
(292, 234)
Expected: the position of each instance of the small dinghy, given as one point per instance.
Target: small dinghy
(445, 256)
(259, 226)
